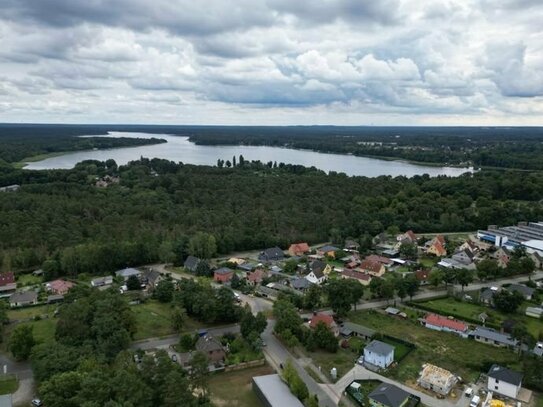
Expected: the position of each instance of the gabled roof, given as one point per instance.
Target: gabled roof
(223, 271)
(317, 267)
(272, 253)
(6, 278)
(60, 285)
(494, 336)
(356, 274)
(487, 294)
(379, 259)
(504, 374)
(348, 327)
(300, 283)
(522, 289)
(151, 275)
(299, 247)
(26, 296)
(444, 322)
(389, 395)
(207, 344)
(321, 317)
(372, 266)
(379, 348)
(351, 243)
(256, 276)
(127, 272)
(191, 263)
(439, 239)
(467, 252)
(328, 248)
(438, 247)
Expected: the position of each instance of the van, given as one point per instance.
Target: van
(468, 392)
(475, 401)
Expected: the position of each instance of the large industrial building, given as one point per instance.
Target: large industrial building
(273, 392)
(528, 234)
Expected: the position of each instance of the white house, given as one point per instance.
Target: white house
(378, 354)
(504, 381)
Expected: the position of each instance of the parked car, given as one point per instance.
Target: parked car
(37, 403)
(475, 401)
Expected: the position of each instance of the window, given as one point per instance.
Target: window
(495, 387)
(497, 381)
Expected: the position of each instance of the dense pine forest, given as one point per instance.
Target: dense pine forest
(61, 220)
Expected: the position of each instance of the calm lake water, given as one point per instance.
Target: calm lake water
(181, 149)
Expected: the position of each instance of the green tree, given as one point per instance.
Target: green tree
(408, 251)
(487, 269)
(199, 372)
(508, 302)
(186, 342)
(324, 338)
(464, 277)
(178, 319)
(62, 390)
(436, 278)
(164, 291)
(133, 283)
(313, 297)
(21, 342)
(203, 245)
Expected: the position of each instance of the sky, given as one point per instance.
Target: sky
(272, 62)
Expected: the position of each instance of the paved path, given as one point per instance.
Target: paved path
(23, 371)
(360, 373)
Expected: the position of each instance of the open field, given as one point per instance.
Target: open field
(8, 384)
(153, 319)
(234, 389)
(463, 357)
(445, 306)
(343, 360)
(24, 280)
(16, 314)
(400, 350)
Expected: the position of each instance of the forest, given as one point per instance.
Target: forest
(60, 220)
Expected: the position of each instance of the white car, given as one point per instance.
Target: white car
(37, 403)
(475, 401)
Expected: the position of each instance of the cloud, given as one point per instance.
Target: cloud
(271, 61)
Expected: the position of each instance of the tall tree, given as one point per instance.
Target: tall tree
(21, 342)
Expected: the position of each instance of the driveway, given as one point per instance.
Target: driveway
(23, 371)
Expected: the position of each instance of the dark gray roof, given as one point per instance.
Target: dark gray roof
(328, 248)
(351, 243)
(224, 270)
(300, 283)
(208, 343)
(380, 348)
(522, 289)
(487, 294)
(246, 266)
(191, 263)
(348, 327)
(494, 336)
(273, 253)
(389, 395)
(275, 391)
(53, 298)
(504, 374)
(151, 275)
(127, 272)
(26, 296)
(317, 267)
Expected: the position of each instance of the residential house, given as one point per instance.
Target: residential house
(223, 275)
(298, 249)
(407, 237)
(469, 245)
(486, 296)
(503, 256)
(151, 278)
(300, 284)
(7, 282)
(504, 381)
(319, 271)
(127, 273)
(538, 349)
(437, 246)
(364, 279)
(328, 251)
(272, 391)
(211, 347)
(271, 254)
(350, 329)
(351, 245)
(534, 312)
(492, 337)
(525, 291)
(236, 260)
(464, 257)
(52, 299)
(423, 276)
(373, 268)
(59, 287)
(378, 354)
(388, 395)
(256, 277)
(191, 263)
(247, 267)
(325, 319)
(21, 299)
(444, 324)
(102, 281)
(395, 312)
(385, 261)
(436, 379)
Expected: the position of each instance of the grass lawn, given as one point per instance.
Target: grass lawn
(445, 306)
(343, 360)
(428, 262)
(366, 387)
(400, 350)
(31, 312)
(463, 357)
(153, 319)
(234, 389)
(8, 384)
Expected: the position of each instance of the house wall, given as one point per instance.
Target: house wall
(489, 341)
(504, 388)
(437, 389)
(378, 360)
(445, 329)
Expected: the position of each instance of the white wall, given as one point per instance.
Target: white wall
(507, 389)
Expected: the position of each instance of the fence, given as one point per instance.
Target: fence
(245, 365)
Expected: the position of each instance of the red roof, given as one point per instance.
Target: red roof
(440, 239)
(356, 274)
(60, 286)
(6, 278)
(444, 322)
(411, 235)
(299, 248)
(256, 276)
(372, 266)
(438, 247)
(379, 259)
(325, 318)
(422, 275)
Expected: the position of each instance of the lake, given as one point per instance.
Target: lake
(181, 149)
